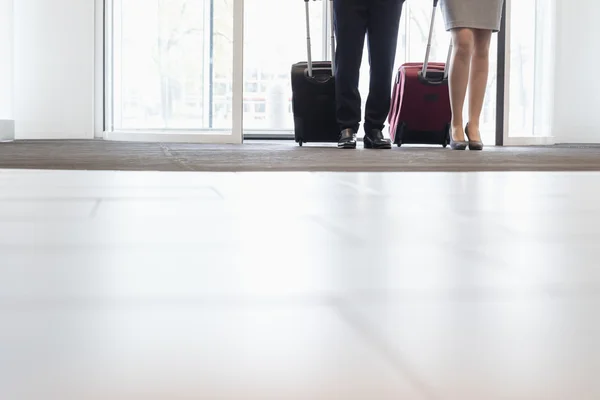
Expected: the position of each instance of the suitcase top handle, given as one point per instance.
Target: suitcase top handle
(433, 77)
(319, 75)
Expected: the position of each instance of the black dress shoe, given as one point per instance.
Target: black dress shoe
(374, 140)
(347, 139)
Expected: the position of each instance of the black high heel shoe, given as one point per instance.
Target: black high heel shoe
(473, 145)
(457, 144)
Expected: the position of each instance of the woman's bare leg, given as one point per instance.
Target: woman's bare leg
(463, 42)
(480, 65)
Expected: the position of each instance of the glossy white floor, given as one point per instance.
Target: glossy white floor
(299, 286)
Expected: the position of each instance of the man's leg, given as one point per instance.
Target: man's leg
(382, 33)
(350, 22)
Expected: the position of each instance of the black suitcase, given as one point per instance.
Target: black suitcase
(313, 94)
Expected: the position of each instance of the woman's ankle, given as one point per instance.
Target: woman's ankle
(457, 123)
(473, 131)
(457, 132)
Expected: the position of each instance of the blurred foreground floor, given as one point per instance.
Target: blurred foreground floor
(302, 286)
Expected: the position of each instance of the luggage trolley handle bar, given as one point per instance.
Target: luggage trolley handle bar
(308, 44)
(448, 60)
(308, 41)
(332, 30)
(429, 40)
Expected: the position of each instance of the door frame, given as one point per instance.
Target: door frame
(105, 79)
(288, 134)
(503, 137)
(104, 83)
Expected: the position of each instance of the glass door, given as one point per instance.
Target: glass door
(529, 68)
(174, 70)
(183, 70)
(274, 40)
(412, 43)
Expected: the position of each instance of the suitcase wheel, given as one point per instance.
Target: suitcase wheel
(400, 133)
(447, 136)
(300, 143)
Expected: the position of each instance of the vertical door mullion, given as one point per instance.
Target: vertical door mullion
(207, 99)
(115, 59)
(537, 73)
(407, 5)
(325, 33)
(108, 64)
(507, 62)
(100, 65)
(238, 72)
(503, 78)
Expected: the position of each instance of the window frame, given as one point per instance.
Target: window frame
(108, 24)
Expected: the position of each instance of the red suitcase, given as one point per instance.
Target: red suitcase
(420, 109)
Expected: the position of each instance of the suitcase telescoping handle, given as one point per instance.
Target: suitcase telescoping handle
(429, 40)
(308, 43)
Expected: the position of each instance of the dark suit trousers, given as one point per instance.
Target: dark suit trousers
(378, 21)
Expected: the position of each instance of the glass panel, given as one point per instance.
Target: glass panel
(172, 64)
(412, 43)
(531, 67)
(419, 18)
(522, 68)
(544, 68)
(274, 40)
(418, 21)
